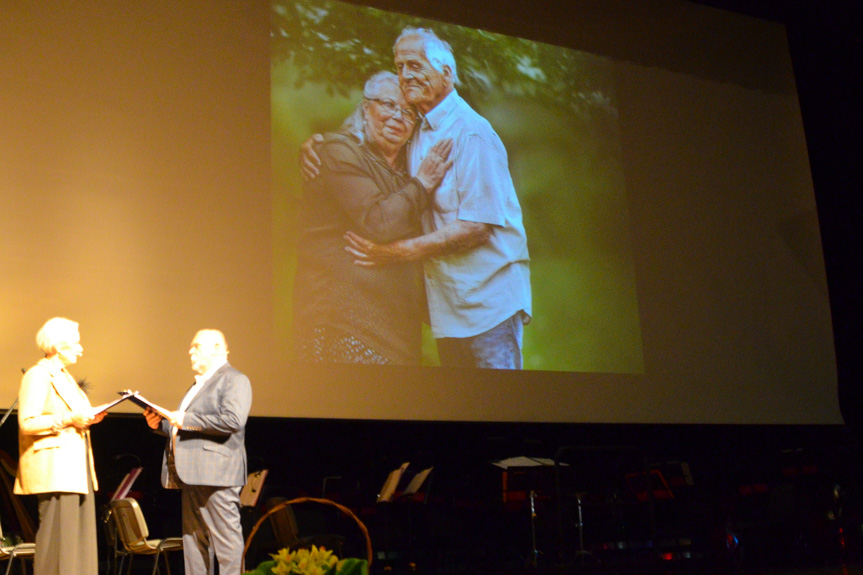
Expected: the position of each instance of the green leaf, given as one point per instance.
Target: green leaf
(350, 566)
(265, 568)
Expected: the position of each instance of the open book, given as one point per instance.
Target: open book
(389, 492)
(522, 461)
(417, 482)
(135, 398)
(392, 482)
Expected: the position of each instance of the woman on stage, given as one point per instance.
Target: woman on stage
(56, 462)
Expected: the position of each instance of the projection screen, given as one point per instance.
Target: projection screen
(150, 187)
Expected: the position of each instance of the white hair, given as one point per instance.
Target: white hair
(56, 331)
(354, 124)
(438, 52)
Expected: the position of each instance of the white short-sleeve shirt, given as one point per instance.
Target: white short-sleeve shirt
(472, 291)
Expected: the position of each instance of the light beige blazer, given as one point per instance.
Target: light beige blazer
(51, 462)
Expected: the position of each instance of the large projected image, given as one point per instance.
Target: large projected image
(652, 195)
(437, 215)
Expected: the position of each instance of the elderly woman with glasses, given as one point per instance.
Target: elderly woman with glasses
(56, 462)
(346, 313)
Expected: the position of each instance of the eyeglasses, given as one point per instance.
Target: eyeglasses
(67, 345)
(390, 108)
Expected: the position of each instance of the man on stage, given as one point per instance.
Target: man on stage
(205, 457)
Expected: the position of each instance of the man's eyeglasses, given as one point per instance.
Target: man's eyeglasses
(391, 108)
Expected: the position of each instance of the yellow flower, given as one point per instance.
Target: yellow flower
(316, 561)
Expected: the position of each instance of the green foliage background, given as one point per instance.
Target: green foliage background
(554, 110)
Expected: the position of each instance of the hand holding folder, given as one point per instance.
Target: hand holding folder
(136, 398)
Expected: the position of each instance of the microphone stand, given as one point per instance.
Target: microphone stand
(9, 411)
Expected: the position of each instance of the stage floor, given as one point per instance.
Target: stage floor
(847, 568)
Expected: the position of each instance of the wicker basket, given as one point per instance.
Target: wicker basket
(338, 506)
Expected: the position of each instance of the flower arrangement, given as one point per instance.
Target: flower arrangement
(314, 561)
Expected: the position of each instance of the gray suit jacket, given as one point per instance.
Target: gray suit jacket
(210, 449)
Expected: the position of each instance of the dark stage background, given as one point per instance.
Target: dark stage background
(758, 496)
(723, 498)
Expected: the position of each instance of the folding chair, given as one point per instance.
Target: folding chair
(133, 532)
(22, 551)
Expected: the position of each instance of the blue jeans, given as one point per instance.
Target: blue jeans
(497, 348)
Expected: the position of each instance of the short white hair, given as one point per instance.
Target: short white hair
(438, 52)
(56, 331)
(354, 124)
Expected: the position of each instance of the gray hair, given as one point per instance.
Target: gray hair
(355, 123)
(56, 331)
(438, 52)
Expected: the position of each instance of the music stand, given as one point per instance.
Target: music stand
(126, 484)
(251, 491)
(388, 490)
(513, 466)
(110, 527)
(415, 483)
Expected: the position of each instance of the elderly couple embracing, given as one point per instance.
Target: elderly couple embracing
(409, 214)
